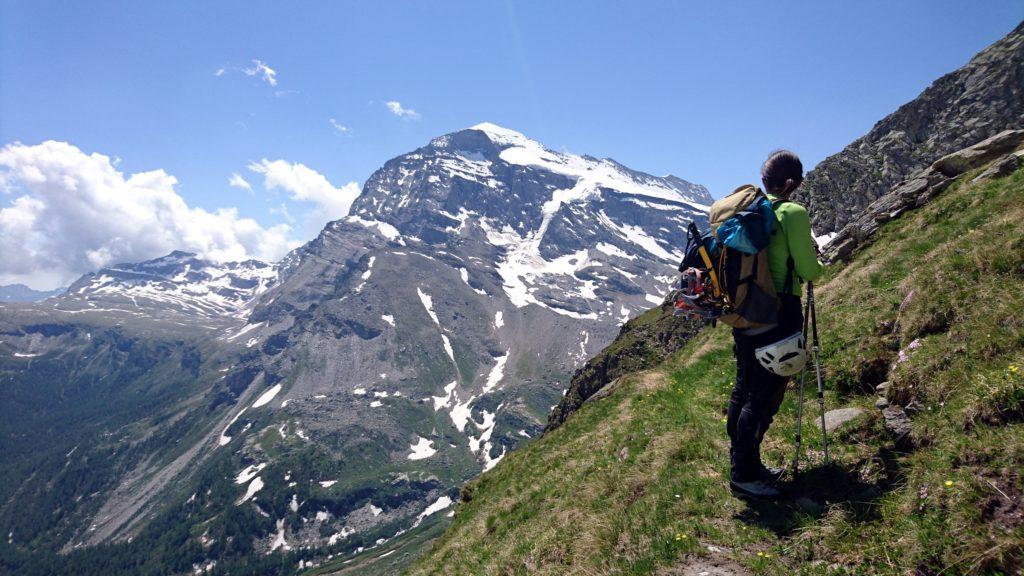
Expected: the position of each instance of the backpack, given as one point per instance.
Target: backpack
(724, 274)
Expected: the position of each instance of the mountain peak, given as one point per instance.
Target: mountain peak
(500, 135)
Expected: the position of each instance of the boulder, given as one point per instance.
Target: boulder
(1003, 167)
(836, 419)
(989, 149)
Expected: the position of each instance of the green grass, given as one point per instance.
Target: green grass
(634, 483)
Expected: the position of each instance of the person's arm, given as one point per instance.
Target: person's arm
(801, 244)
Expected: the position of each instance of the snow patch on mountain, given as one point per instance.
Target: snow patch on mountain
(595, 173)
(438, 505)
(496, 374)
(267, 396)
(423, 448)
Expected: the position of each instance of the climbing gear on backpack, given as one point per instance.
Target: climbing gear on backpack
(810, 314)
(785, 357)
(732, 260)
(700, 293)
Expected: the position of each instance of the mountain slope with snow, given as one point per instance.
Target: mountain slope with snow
(347, 391)
(180, 282)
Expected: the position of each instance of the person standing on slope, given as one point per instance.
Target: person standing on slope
(757, 393)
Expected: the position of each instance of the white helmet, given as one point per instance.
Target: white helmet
(785, 357)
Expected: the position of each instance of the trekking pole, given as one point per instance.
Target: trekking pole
(817, 366)
(800, 404)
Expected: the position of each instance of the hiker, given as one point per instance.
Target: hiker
(758, 391)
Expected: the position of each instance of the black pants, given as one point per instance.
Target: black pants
(757, 393)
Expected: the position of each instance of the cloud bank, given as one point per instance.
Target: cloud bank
(74, 212)
(304, 184)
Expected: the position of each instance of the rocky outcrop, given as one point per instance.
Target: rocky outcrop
(975, 102)
(923, 186)
(643, 342)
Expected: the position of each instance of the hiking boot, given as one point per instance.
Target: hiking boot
(756, 489)
(770, 474)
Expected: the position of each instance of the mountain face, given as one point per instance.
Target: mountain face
(22, 293)
(180, 282)
(336, 400)
(963, 107)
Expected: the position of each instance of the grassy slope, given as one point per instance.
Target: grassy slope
(633, 483)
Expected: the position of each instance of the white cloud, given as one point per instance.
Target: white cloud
(338, 127)
(307, 185)
(74, 212)
(219, 72)
(396, 108)
(268, 74)
(236, 181)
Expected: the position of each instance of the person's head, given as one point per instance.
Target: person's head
(782, 173)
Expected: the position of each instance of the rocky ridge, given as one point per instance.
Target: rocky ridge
(925, 185)
(975, 102)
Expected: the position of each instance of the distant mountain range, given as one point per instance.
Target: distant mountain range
(332, 401)
(22, 293)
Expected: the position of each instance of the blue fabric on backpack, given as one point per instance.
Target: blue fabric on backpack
(749, 230)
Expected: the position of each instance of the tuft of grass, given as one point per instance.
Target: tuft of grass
(634, 483)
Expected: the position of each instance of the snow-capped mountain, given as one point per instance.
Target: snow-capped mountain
(570, 230)
(339, 398)
(505, 263)
(180, 282)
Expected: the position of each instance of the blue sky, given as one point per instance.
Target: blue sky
(702, 90)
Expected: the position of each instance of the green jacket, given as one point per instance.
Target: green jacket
(792, 238)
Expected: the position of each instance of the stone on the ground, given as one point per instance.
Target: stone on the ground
(835, 419)
(881, 403)
(897, 423)
(882, 388)
(1002, 167)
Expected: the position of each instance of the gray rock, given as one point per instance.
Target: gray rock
(897, 424)
(835, 419)
(881, 403)
(1003, 167)
(1004, 143)
(882, 388)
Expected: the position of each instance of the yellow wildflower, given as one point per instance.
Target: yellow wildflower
(949, 483)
